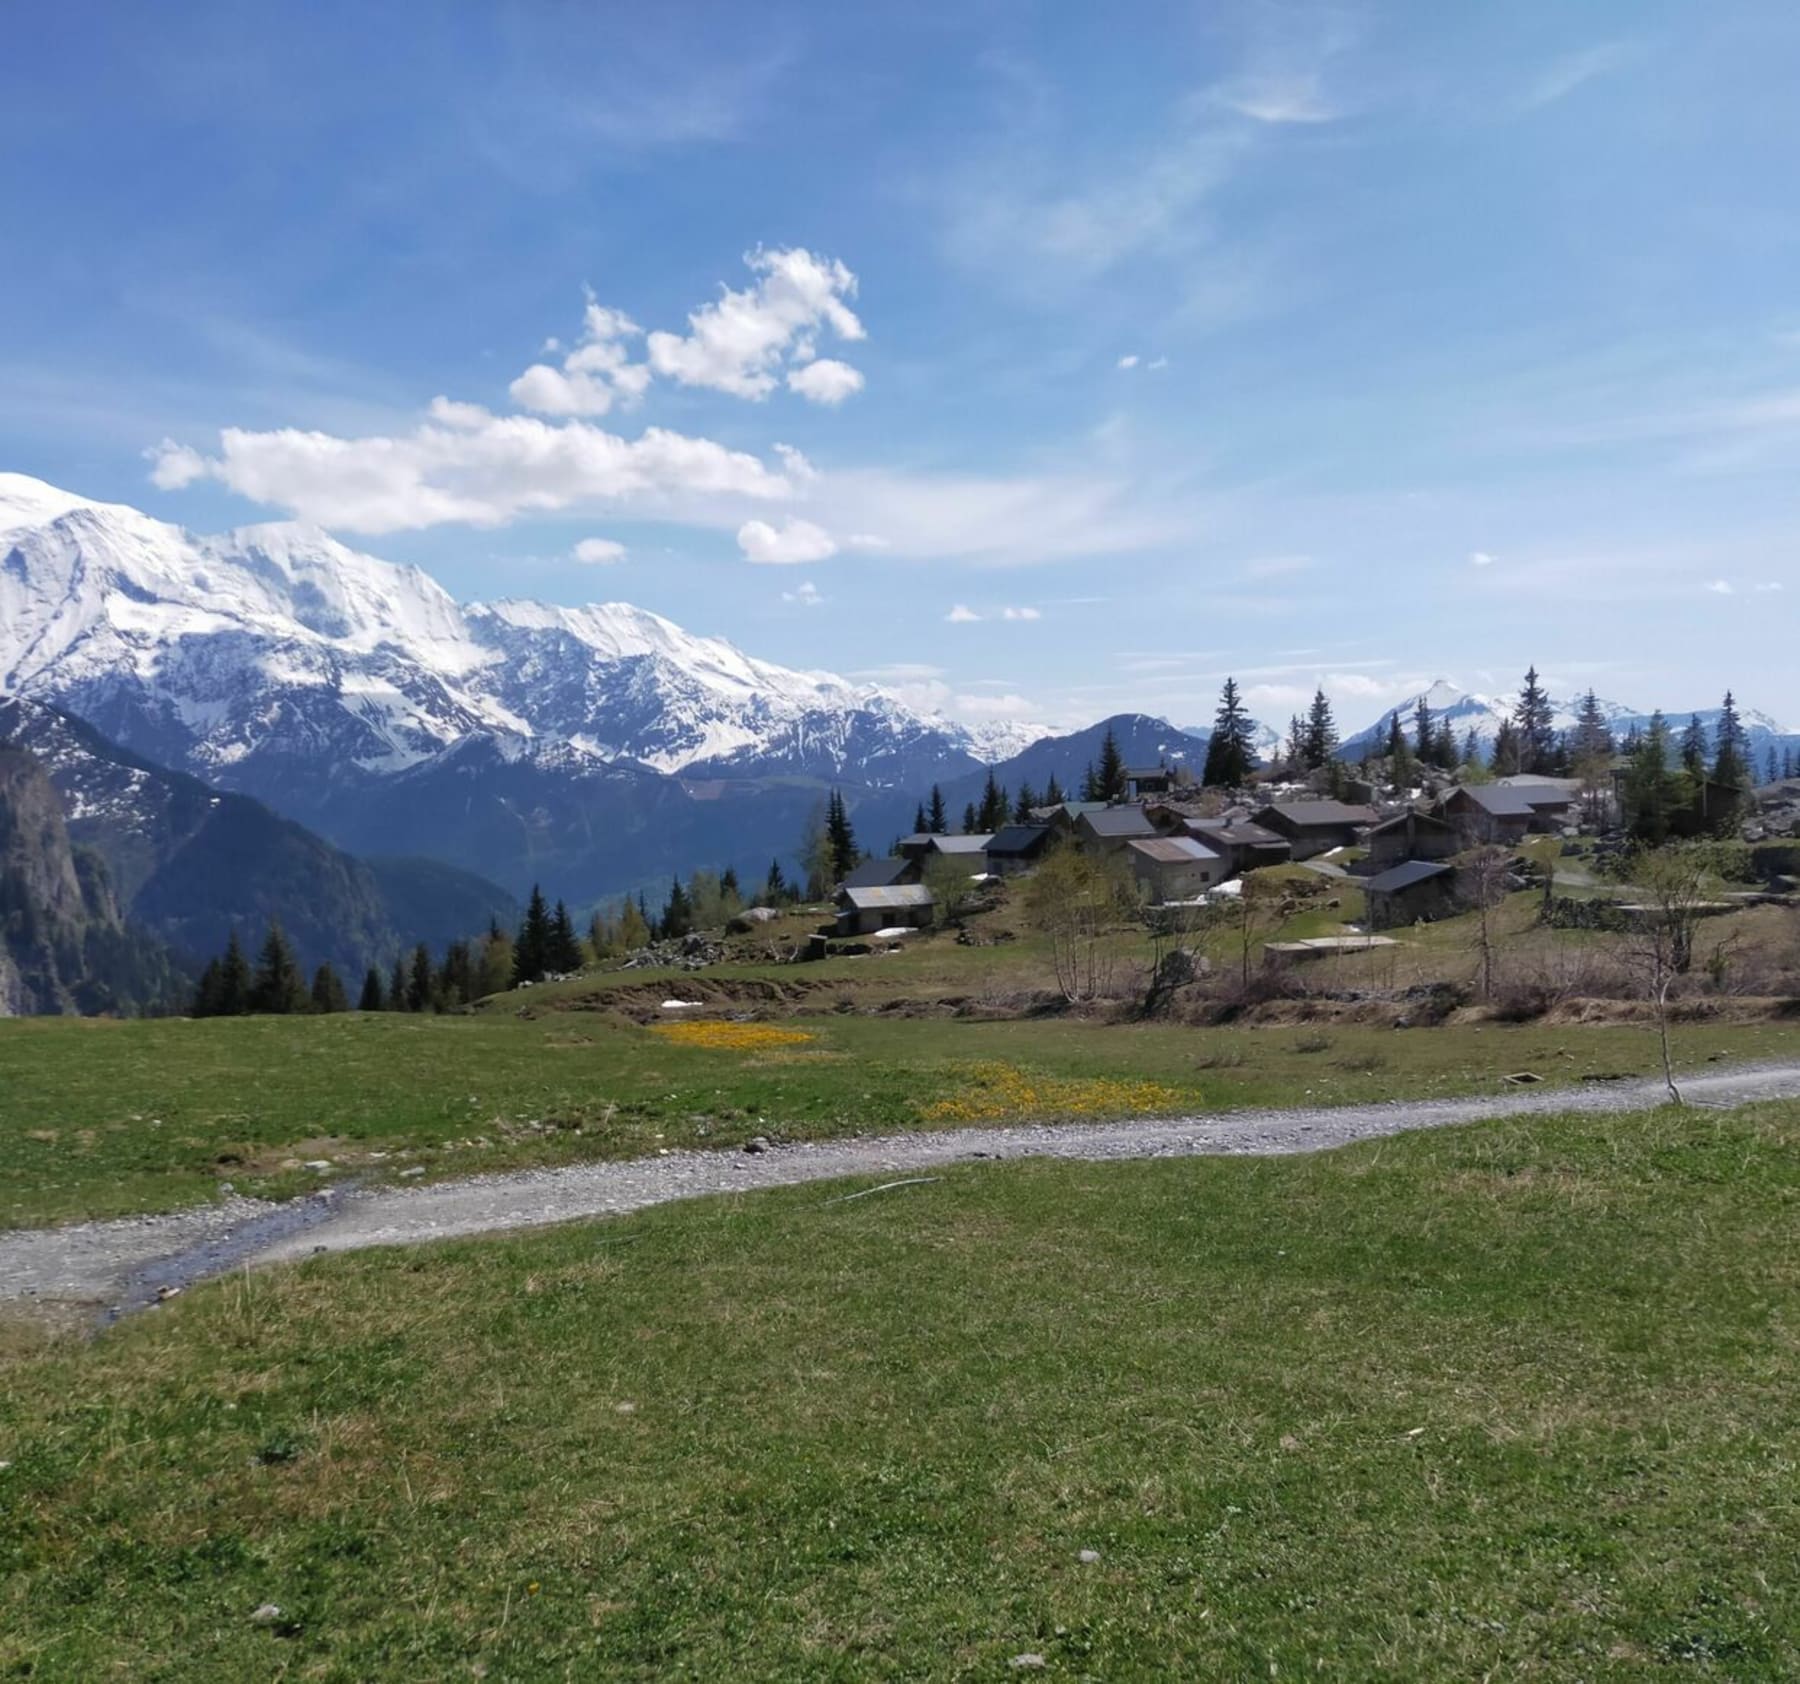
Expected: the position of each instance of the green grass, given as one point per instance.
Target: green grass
(1511, 1401)
(100, 1118)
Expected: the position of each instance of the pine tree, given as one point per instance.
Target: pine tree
(1296, 744)
(1424, 732)
(937, 821)
(1534, 723)
(565, 947)
(994, 805)
(921, 824)
(234, 979)
(327, 991)
(1593, 738)
(1319, 738)
(370, 999)
(277, 986)
(1505, 759)
(206, 993)
(531, 951)
(396, 994)
(1772, 765)
(678, 913)
(775, 886)
(1731, 774)
(1090, 783)
(1228, 752)
(456, 983)
(1649, 793)
(1111, 776)
(1026, 800)
(969, 820)
(419, 993)
(840, 837)
(1471, 748)
(1053, 793)
(1443, 744)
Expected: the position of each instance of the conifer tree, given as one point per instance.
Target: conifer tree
(234, 979)
(840, 837)
(634, 927)
(1772, 765)
(1319, 738)
(1649, 793)
(419, 993)
(396, 994)
(206, 992)
(994, 805)
(775, 886)
(1471, 747)
(1505, 759)
(1053, 793)
(1424, 732)
(1228, 752)
(921, 824)
(968, 820)
(1693, 748)
(370, 999)
(937, 821)
(1534, 723)
(677, 914)
(531, 951)
(1593, 738)
(1731, 773)
(564, 953)
(1111, 775)
(1443, 745)
(277, 986)
(327, 991)
(1296, 744)
(1023, 803)
(1090, 783)
(456, 984)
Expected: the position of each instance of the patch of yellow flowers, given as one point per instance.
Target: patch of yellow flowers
(990, 1092)
(729, 1037)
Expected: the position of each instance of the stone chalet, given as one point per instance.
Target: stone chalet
(1413, 893)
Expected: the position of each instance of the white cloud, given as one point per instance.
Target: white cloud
(1020, 614)
(1721, 587)
(962, 615)
(599, 552)
(1157, 362)
(1277, 99)
(865, 541)
(594, 376)
(1769, 586)
(826, 381)
(1564, 75)
(804, 595)
(1480, 558)
(1128, 361)
(793, 544)
(465, 464)
(737, 344)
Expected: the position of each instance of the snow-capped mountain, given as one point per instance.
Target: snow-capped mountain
(275, 653)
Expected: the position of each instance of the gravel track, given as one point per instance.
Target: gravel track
(116, 1266)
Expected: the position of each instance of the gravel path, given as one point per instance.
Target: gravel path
(113, 1266)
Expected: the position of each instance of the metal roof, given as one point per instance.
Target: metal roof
(1332, 813)
(881, 897)
(1119, 822)
(1517, 801)
(1018, 839)
(961, 844)
(876, 874)
(1172, 850)
(1404, 876)
(1411, 816)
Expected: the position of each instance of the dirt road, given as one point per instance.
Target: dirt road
(112, 1267)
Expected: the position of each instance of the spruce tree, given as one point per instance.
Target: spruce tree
(1471, 747)
(775, 887)
(565, 946)
(327, 991)
(937, 821)
(277, 986)
(1090, 783)
(1443, 746)
(206, 993)
(531, 951)
(969, 820)
(1593, 738)
(1053, 793)
(234, 979)
(1027, 799)
(396, 993)
(420, 996)
(370, 999)
(1319, 738)
(1693, 748)
(1534, 722)
(456, 980)
(840, 837)
(1424, 732)
(678, 913)
(1506, 758)
(921, 824)
(1111, 776)
(1228, 752)
(1731, 773)
(994, 805)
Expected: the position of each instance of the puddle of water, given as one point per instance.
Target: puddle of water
(150, 1282)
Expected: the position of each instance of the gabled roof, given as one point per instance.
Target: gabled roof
(1172, 850)
(1332, 814)
(960, 844)
(882, 898)
(1119, 822)
(1070, 809)
(1018, 839)
(1412, 816)
(1239, 833)
(1512, 801)
(1406, 875)
(876, 874)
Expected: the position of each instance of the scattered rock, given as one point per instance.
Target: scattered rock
(1088, 1557)
(1289, 1442)
(408, 1174)
(266, 1615)
(319, 1166)
(1027, 1662)
(758, 1144)
(166, 1292)
(627, 1407)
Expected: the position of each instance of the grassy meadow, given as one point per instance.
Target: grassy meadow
(1511, 1400)
(101, 1118)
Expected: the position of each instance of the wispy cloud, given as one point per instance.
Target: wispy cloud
(1562, 76)
(963, 615)
(1277, 99)
(805, 595)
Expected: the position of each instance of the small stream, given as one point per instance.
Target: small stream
(162, 1277)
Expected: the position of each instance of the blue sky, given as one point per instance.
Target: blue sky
(1040, 360)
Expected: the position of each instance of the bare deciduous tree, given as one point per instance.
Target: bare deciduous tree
(1077, 903)
(1676, 884)
(1484, 879)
